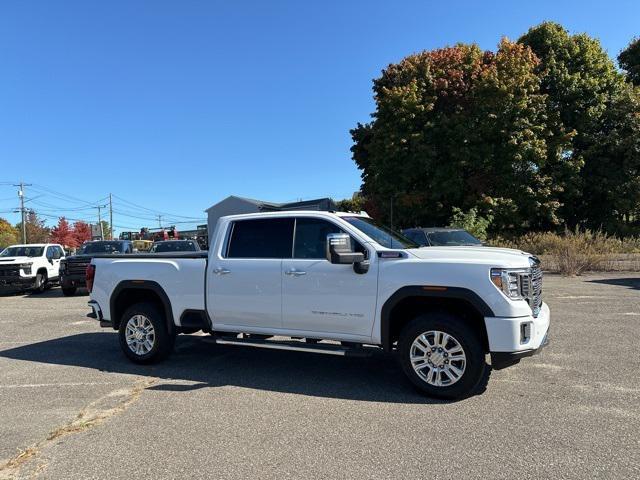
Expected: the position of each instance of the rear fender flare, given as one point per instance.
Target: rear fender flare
(147, 285)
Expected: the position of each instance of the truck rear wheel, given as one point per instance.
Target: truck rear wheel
(143, 334)
(442, 356)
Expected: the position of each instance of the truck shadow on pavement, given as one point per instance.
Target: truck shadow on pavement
(633, 283)
(197, 364)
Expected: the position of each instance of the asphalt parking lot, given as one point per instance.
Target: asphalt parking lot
(71, 406)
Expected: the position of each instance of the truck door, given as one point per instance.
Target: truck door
(318, 296)
(244, 285)
(53, 261)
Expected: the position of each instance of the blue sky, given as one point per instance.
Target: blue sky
(172, 106)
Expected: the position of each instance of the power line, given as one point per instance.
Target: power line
(156, 212)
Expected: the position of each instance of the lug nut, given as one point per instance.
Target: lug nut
(433, 349)
(428, 354)
(446, 354)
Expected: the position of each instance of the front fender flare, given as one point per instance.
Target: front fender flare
(430, 291)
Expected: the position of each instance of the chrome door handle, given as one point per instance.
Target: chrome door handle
(221, 271)
(295, 273)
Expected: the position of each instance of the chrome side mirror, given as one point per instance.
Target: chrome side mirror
(340, 252)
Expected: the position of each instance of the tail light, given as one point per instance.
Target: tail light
(91, 273)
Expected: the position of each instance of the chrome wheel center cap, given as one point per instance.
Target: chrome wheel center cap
(437, 359)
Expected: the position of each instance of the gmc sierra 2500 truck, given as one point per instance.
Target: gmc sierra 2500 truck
(333, 283)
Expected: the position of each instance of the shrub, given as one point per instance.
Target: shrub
(575, 251)
(471, 222)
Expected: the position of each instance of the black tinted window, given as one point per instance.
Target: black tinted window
(311, 237)
(417, 236)
(264, 238)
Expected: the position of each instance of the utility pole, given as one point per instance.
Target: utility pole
(22, 210)
(111, 216)
(160, 221)
(100, 220)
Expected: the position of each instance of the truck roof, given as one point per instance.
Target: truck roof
(285, 213)
(33, 245)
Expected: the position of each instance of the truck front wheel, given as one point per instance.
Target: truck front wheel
(68, 291)
(442, 356)
(143, 334)
(40, 284)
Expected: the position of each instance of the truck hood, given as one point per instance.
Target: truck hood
(498, 257)
(13, 260)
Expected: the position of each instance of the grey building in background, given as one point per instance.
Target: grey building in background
(238, 205)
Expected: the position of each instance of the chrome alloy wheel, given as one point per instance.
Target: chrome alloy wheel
(140, 335)
(438, 358)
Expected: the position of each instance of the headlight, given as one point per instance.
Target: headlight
(513, 282)
(26, 267)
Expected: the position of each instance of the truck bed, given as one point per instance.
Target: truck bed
(180, 275)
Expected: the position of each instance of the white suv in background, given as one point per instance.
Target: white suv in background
(30, 267)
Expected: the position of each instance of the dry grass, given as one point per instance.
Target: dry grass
(575, 252)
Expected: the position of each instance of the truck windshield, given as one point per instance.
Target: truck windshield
(101, 247)
(22, 252)
(381, 234)
(452, 237)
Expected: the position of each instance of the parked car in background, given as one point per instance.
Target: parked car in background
(442, 237)
(30, 267)
(73, 269)
(314, 276)
(168, 246)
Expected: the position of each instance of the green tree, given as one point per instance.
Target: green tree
(461, 128)
(8, 234)
(583, 86)
(356, 203)
(629, 61)
(37, 231)
(106, 229)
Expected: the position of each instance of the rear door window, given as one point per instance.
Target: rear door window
(261, 238)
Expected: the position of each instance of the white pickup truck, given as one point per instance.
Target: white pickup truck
(334, 283)
(32, 266)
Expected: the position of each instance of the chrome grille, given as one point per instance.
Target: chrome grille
(531, 286)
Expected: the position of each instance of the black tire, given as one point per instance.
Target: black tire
(163, 341)
(41, 283)
(69, 291)
(467, 338)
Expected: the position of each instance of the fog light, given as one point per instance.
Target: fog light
(525, 332)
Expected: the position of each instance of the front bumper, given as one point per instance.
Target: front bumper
(77, 280)
(511, 339)
(17, 282)
(500, 360)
